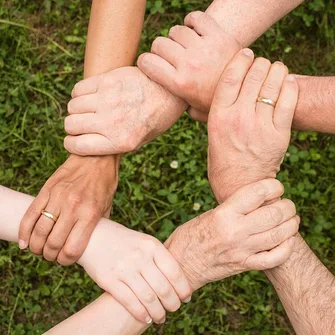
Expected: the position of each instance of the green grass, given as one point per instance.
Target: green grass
(41, 58)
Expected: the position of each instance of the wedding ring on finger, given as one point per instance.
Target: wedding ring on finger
(50, 216)
(266, 101)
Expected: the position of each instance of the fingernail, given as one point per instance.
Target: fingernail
(278, 62)
(148, 320)
(22, 244)
(248, 52)
(290, 78)
(162, 321)
(187, 300)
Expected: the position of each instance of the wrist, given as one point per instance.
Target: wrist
(107, 165)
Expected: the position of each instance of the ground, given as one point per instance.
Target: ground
(41, 58)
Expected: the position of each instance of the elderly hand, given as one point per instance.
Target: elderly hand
(137, 270)
(237, 236)
(118, 112)
(79, 193)
(248, 139)
(190, 62)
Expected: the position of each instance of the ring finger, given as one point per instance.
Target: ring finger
(57, 237)
(271, 90)
(168, 50)
(164, 290)
(185, 36)
(43, 228)
(273, 237)
(147, 297)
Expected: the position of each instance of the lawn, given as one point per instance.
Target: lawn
(41, 58)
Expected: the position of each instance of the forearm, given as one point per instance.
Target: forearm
(316, 106)
(112, 42)
(105, 315)
(307, 291)
(113, 35)
(248, 20)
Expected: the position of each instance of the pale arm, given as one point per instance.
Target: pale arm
(103, 316)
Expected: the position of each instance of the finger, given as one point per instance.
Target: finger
(185, 36)
(84, 104)
(198, 115)
(31, 217)
(147, 297)
(171, 269)
(86, 86)
(253, 81)
(286, 104)
(231, 81)
(44, 227)
(158, 70)
(270, 216)
(270, 259)
(203, 24)
(58, 236)
(273, 237)
(89, 145)
(162, 287)
(271, 90)
(252, 196)
(167, 49)
(83, 124)
(77, 241)
(126, 297)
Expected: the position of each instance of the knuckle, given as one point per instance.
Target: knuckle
(271, 87)
(183, 83)
(194, 64)
(42, 230)
(275, 214)
(55, 242)
(276, 235)
(255, 75)
(74, 199)
(164, 291)
(149, 297)
(230, 78)
(71, 251)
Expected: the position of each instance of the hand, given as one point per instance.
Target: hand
(118, 112)
(190, 62)
(237, 236)
(79, 193)
(137, 270)
(248, 139)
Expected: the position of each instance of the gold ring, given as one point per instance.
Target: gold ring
(266, 101)
(50, 216)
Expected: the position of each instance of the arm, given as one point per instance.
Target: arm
(81, 191)
(113, 35)
(192, 83)
(316, 104)
(304, 285)
(152, 102)
(241, 236)
(248, 20)
(306, 289)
